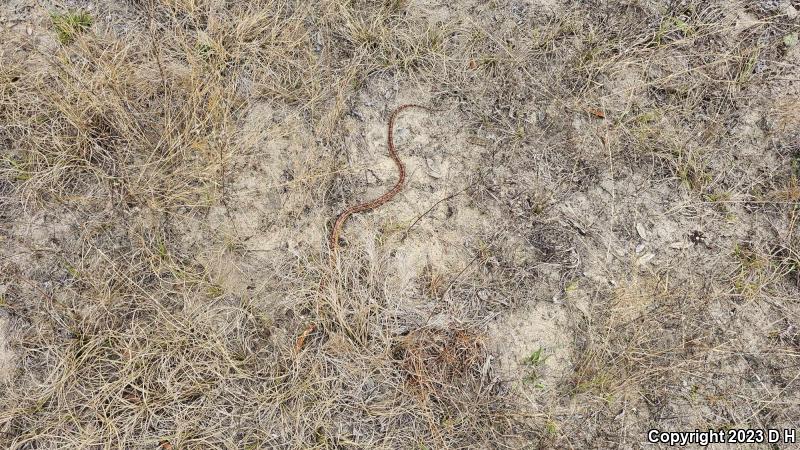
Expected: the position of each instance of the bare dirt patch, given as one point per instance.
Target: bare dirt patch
(598, 234)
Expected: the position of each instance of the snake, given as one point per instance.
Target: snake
(336, 231)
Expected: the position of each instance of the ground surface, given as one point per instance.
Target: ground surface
(598, 234)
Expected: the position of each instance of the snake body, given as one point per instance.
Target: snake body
(333, 240)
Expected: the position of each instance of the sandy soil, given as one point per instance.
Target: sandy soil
(606, 201)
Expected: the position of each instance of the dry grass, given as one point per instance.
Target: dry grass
(139, 344)
(141, 310)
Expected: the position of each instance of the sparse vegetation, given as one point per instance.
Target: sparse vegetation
(535, 361)
(69, 25)
(599, 233)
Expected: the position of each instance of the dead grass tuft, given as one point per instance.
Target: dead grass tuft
(167, 168)
(435, 358)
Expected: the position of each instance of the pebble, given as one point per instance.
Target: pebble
(641, 230)
(644, 259)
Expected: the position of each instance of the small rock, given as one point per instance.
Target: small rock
(29, 29)
(644, 259)
(640, 248)
(641, 230)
